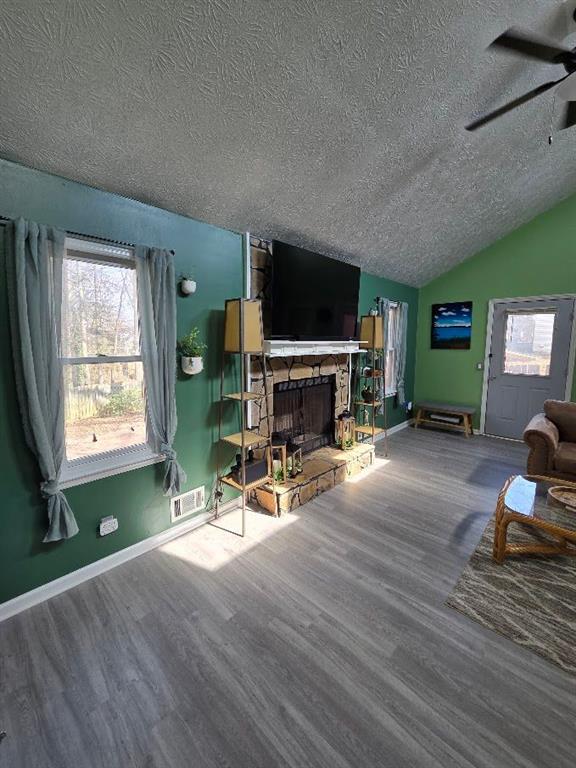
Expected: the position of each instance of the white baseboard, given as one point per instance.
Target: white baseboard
(53, 588)
(392, 430)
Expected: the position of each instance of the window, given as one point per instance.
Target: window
(391, 337)
(104, 396)
(528, 343)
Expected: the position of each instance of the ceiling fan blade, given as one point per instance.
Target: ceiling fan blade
(567, 90)
(569, 115)
(478, 123)
(532, 47)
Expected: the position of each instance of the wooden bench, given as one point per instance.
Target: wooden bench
(425, 410)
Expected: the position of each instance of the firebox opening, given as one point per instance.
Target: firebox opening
(304, 412)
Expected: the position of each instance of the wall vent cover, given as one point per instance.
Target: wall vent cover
(186, 504)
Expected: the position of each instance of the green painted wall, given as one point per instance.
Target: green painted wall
(370, 287)
(537, 259)
(135, 497)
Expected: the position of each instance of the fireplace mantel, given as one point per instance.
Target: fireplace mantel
(286, 348)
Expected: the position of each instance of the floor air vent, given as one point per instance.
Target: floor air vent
(187, 503)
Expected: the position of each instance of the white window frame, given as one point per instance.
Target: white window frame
(390, 392)
(107, 463)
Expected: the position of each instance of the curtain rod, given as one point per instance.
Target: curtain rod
(5, 219)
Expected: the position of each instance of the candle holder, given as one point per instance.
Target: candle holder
(345, 431)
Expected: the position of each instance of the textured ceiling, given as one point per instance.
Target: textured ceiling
(335, 125)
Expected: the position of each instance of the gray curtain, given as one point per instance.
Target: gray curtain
(34, 262)
(399, 345)
(384, 311)
(157, 304)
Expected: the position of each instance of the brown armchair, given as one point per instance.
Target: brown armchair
(551, 437)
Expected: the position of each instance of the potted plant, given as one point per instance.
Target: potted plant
(187, 285)
(191, 350)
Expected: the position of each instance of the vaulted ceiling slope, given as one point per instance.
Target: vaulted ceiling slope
(334, 125)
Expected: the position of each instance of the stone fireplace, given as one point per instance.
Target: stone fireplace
(307, 394)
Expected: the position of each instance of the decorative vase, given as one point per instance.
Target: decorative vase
(192, 365)
(187, 286)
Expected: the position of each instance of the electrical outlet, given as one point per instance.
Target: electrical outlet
(479, 366)
(108, 525)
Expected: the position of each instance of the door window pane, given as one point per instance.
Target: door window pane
(528, 343)
(104, 408)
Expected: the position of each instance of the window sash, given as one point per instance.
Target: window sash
(101, 360)
(91, 250)
(106, 458)
(109, 461)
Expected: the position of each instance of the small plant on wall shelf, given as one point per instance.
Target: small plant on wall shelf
(187, 285)
(191, 349)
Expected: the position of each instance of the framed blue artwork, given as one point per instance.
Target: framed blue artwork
(451, 325)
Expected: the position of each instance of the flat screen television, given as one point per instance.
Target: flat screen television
(314, 297)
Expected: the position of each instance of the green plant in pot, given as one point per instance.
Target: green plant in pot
(187, 284)
(191, 349)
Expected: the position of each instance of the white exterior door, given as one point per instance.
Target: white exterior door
(528, 361)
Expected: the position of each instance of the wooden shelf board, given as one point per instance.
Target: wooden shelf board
(368, 430)
(374, 404)
(229, 480)
(247, 396)
(372, 376)
(250, 438)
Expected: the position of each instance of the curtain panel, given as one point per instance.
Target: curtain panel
(400, 344)
(34, 269)
(397, 341)
(384, 311)
(157, 304)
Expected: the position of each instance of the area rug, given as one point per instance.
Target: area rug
(529, 599)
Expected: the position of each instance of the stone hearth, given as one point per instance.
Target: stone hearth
(321, 470)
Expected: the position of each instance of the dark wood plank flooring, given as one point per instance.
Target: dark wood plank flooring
(321, 640)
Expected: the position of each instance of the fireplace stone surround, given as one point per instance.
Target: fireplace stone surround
(326, 466)
(281, 370)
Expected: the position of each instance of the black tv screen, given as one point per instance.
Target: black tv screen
(314, 297)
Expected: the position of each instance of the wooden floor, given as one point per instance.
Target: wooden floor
(320, 640)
